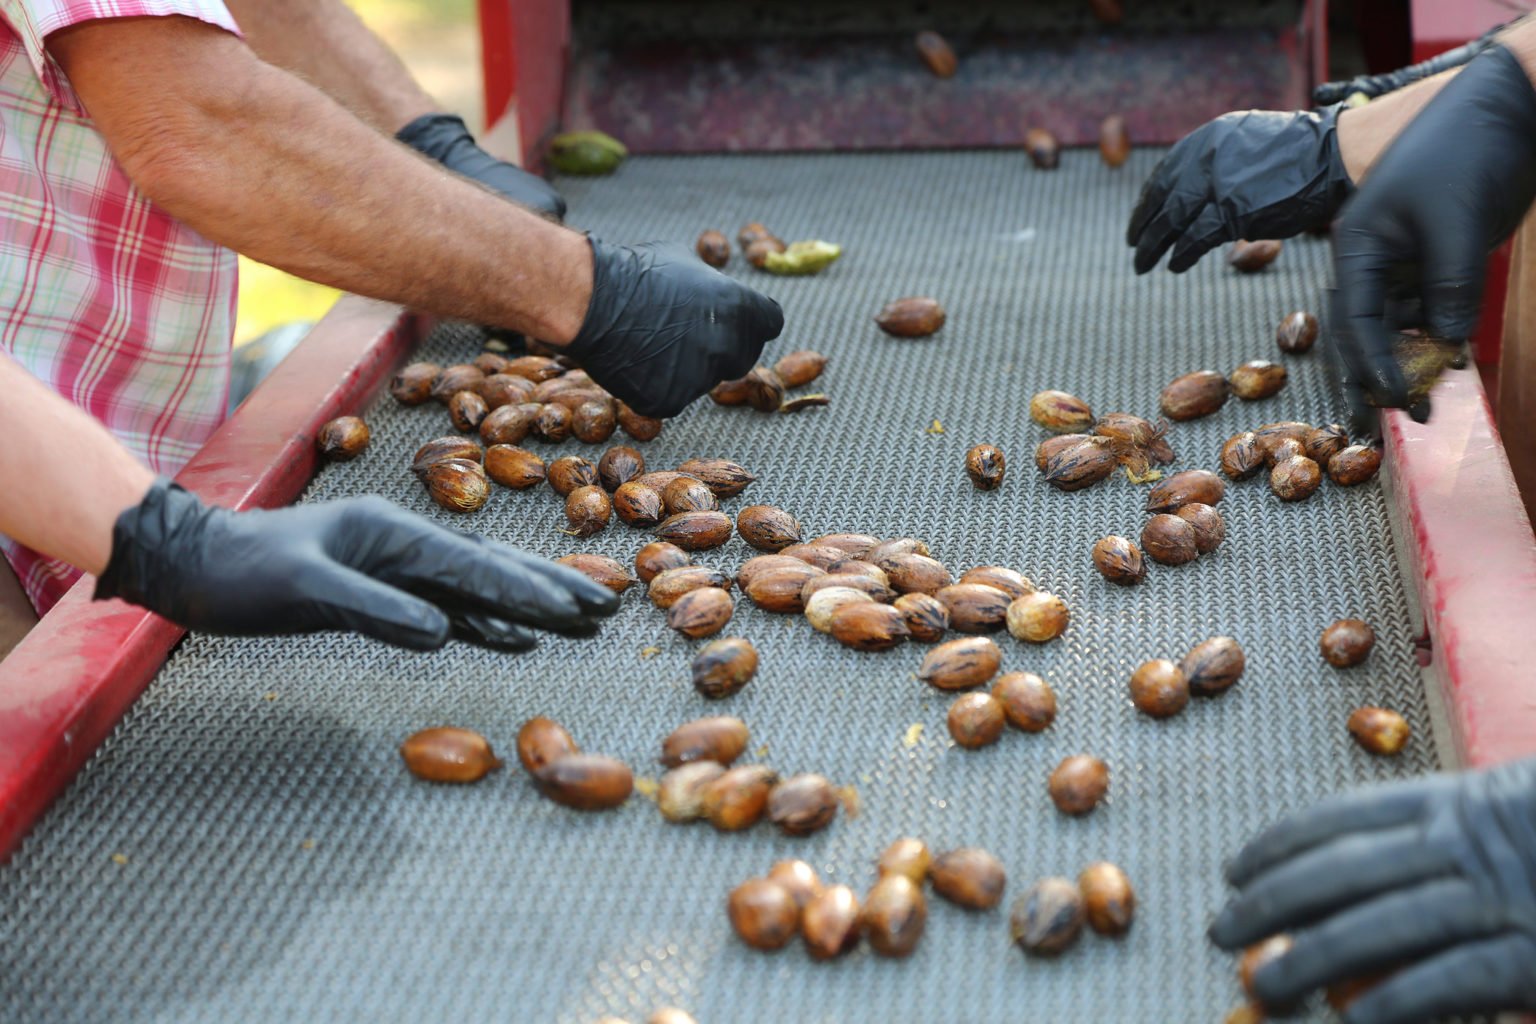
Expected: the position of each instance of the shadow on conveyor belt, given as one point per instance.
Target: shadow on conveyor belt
(256, 872)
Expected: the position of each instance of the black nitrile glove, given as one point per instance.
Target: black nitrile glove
(663, 328)
(1452, 186)
(444, 138)
(1247, 174)
(1435, 878)
(1379, 85)
(362, 564)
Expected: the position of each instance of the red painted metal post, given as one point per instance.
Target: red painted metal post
(496, 57)
(65, 686)
(525, 49)
(1314, 19)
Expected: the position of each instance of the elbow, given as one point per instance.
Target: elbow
(177, 150)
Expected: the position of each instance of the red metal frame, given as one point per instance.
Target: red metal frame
(1473, 562)
(1440, 25)
(1314, 39)
(524, 49)
(66, 685)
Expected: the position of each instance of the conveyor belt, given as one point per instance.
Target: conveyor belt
(247, 845)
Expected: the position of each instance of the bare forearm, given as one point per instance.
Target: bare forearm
(262, 162)
(326, 44)
(67, 478)
(1365, 132)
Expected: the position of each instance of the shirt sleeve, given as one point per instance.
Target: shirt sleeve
(34, 20)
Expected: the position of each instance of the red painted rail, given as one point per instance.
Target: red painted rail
(1473, 561)
(66, 685)
(524, 48)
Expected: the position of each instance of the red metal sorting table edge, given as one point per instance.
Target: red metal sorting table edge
(1473, 561)
(67, 684)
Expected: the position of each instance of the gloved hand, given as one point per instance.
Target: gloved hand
(1247, 174)
(444, 138)
(1373, 86)
(1436, 877)
(361, 564)
(1452, 186)
(662, 328)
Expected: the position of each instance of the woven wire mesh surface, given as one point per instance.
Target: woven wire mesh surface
(276, 862)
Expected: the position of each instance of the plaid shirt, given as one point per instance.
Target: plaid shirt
(119, 307)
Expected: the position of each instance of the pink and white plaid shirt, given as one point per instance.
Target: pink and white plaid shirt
(110, 300)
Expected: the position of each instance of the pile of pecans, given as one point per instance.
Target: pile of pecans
(1161, 689)
(1050, 916)
(703, 782)
(872, 595)
(1020, 699)
(1297, 454)
(768, 912)
(764, 388)
(1185, 524)
(506, 400)
(587, 782)
(1073, 460)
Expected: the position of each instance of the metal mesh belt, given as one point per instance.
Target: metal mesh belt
(279, 864)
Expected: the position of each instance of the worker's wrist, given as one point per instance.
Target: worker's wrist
(1354, 154)
(120, 496)
(1364, 133)
(1520, 39)
(147, 539)
(434, 133)
(571, 275)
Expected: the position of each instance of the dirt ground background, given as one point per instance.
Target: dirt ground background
(439, 40)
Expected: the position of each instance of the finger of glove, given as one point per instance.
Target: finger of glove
(1362, 417)
(416, 554)
(1453, 283)
(1361, 810)
(1208, 230)
(1478, 977)
(1156, 189)
(1363, 342)
(759, 320)
(1163, 230)
(492, 633)
(1329, 93)
(1309, 886)
(339, 597)
(763, 318)
(1402, 925)
(592, 597)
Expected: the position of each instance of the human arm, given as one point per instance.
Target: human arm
(260, 161)
(1447, 191)
(1433, 880)
(1264, 174)
(75, 493)
(257, 159)
(66, 476)
(325, 43)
